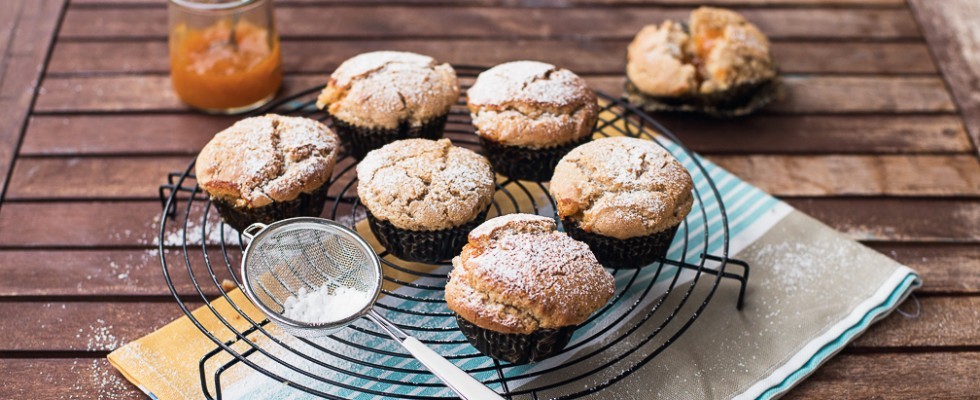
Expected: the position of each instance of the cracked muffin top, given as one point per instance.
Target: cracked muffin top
(518, 274)
(384, 89)
(719, 51)
(622, 187)
(267, 159)
(424, 185)
(532, 104)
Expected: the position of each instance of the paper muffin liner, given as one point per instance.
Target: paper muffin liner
(360, 140)
(306, 205)
(737, 101)
(516, 348)
(525, 163)
(423, 246)
(629, 253)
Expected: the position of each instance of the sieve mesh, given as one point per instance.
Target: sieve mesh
(305, 253)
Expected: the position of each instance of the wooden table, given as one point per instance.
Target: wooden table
(877, 136)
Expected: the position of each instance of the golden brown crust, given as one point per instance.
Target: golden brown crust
(656, 62)
(532, 104)
(422, 185)
(721, 50)
(384, 89)
(269, 158)
(622, 187)
(518, 274)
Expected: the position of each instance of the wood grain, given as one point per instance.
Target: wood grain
(802, 94)
(853, 175)
(135, 223)
(890, 219)
(904, 175)
(582, 56)
(482, 22)
(185, 134)
(106, 325)
(945, 269)
(893, 376)
(27, 33)
(548, 3)
(950, 27)
(107, 272)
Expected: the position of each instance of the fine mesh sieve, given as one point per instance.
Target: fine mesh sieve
(310, 254)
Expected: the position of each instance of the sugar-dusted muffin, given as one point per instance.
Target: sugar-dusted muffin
(379, 97)
(520, 288)
(623, 196)
(424, 196)
(528, 114)
(718, 64)
(268, 168)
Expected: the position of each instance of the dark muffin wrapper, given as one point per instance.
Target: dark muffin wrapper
(524, 163)
(629, 253)
(423, 246)
(737, 101)
(360, 140)
(516, 348)
(306, 205)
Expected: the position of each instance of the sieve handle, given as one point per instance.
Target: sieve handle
(252, 230)
(467, 387)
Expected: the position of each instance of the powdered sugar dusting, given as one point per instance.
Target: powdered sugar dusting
(527, 81)
(424, 184)
(325, 304)
(524, 277)
(622, 187)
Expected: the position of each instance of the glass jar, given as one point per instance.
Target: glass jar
(224, 54)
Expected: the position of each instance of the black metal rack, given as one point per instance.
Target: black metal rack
(638, 324)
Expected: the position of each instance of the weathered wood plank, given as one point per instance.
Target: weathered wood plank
(107, 272)
(104, 326)
(803, 94)
(185, 134)
(945, 269)
(28, 31)
(549, 3)
(894, 376)
(950, 27)
(64, 378)
(581, 56)
(905, 175)
(890, 219)
(480, 22)
(952, 321)
(851, 175)
(135, 223)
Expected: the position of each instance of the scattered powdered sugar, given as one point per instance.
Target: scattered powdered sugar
(326, 304)
(527, 81)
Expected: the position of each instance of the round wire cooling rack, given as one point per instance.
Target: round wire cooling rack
(652, 306)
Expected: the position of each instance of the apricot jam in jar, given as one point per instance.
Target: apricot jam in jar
(224, 55)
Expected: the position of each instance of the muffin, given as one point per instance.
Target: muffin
(719, 64)
(520, 288)
(529, 114)
(268, 168)
(623, 196)
(379, 97)
(424, 196)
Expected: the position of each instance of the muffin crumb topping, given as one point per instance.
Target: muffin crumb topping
(532, 104)
(420, 184)
(385, 89)
(269, 158)
(519, 274)
(622, 187)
